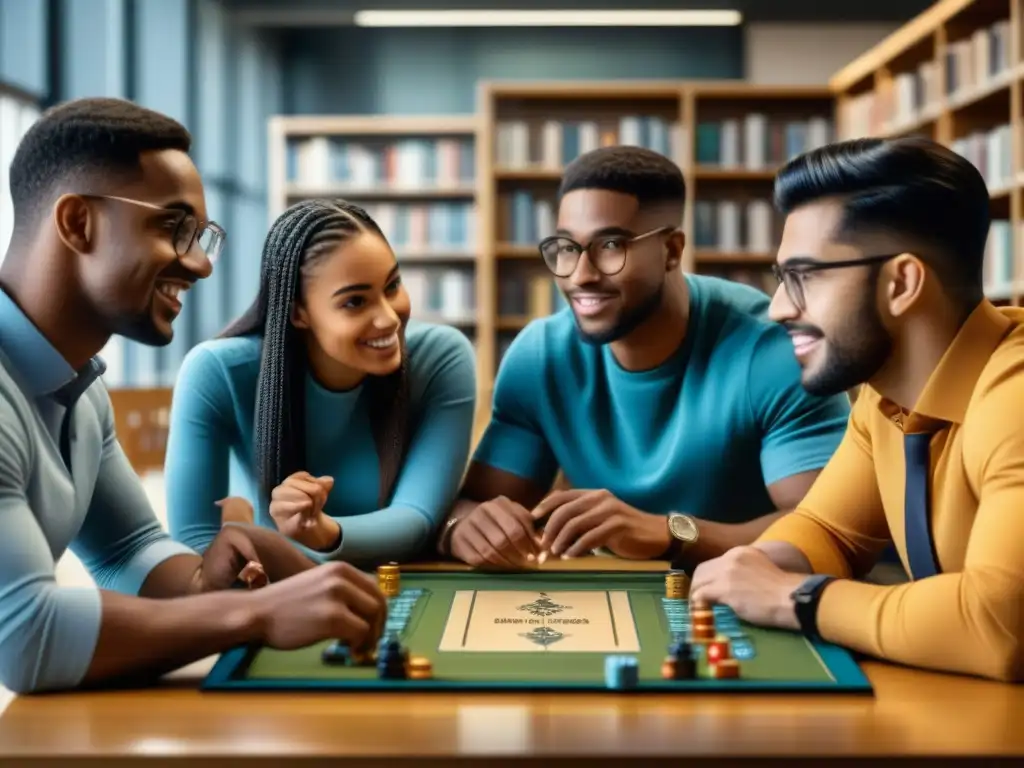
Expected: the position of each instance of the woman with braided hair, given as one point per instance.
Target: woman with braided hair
(346, 424)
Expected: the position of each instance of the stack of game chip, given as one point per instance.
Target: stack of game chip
(702, 623)
(677, 585)
(679, 664)
(621, 672)
(728, 624)
(399, 610)
(420, 668)
(389, 580)
(392, 660)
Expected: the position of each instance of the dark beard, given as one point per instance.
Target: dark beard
(854, 354)
(630, 320)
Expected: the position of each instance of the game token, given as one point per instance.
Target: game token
(389, 580)
(420, 668)
(677, 585)
(392, 661)
(621, 672)
(726, 669)
(668, 668)
(718, 649)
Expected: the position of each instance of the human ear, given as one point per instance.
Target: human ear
(675, 245)
(75, 223)
(906, 283)
(300, 318)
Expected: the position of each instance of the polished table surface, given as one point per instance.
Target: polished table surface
(912, 713)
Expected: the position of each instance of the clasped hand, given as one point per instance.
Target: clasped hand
(296, 506)
(503, 533)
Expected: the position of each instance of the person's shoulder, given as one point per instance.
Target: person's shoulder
(430, 343)
(1001, 383)
(552, 338)
(232, 358)
(733, 320)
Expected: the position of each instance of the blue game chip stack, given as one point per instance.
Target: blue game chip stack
(621, 672)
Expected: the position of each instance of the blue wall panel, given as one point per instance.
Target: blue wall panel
(24, 45)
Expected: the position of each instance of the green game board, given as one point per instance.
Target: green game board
(546, 631)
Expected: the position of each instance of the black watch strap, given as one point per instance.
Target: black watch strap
(805, 601)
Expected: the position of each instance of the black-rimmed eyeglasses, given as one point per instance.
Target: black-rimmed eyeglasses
(188, 230)
(607, 252)
(792, 277)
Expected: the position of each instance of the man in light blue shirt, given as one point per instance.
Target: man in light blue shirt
(110, 229)
(670, 402)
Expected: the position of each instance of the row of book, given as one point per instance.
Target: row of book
(425, 229)
(399, 163)
(733, 226)
(991, 152)
(971, 63)
(526, 293)
(438, 294)
(999, 258)
(552, 144)
(759, 142)
(523, 217)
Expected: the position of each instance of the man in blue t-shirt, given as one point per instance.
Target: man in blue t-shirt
(671, 403)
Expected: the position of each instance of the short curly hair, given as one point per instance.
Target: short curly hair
(79, 138)
(650, 177)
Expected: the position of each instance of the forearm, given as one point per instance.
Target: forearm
(715, 539)
(967, 623)
(279, 557)
(397, 532)
(143, 638)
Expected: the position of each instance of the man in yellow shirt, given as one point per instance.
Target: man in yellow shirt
(881, 270)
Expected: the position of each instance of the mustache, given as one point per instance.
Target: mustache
(803, 328)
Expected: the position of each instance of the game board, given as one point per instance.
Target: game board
(548, 631)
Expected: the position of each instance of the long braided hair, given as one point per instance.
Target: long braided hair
(300, 237)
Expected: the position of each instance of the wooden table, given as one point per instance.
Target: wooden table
(913, 713)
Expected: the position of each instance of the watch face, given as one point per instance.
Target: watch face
(683, 528)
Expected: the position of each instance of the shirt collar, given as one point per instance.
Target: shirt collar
(949, 389)
(37, 364)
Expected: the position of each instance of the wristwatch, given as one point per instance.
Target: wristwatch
(446, 535)
(805, 600)
(684, 534)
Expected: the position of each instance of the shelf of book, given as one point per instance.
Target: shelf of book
(954, 74)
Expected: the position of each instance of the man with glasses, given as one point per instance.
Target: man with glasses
(110, 228)
(671, 404)
(882, 273)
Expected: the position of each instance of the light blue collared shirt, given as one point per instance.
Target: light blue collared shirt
(98, 509)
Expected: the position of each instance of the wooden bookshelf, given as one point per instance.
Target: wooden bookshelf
(953, 74)
(523, 135)
(417, 177)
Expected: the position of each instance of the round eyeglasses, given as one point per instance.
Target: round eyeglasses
(606, 252)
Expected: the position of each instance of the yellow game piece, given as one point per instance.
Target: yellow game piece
(389, 580)
(677, 585)
(668, 668)
(419, 668)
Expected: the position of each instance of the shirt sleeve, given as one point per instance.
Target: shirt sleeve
(197, 462)
(48, 633)
(514, 440)
(800, 431)
(967, 622)
(121, 540)
(435, 461)
(840, 526)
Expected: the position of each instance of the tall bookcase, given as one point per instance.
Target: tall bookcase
(953, 74)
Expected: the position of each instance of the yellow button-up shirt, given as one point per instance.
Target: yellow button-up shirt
(970, 617)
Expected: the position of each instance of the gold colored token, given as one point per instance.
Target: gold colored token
(726, 669)
(420, 668)
(668, 668)
(677, 585)
(389, 580)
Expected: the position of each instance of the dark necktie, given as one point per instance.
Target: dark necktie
(920, 553)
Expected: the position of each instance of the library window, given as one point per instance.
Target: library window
(16, 116)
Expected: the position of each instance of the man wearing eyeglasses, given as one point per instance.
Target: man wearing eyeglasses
(881, 263)
(110, 227)
(670, 402)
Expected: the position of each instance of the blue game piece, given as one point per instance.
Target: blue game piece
(621, 672)
(336, 653)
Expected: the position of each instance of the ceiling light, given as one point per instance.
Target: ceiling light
(557, 18)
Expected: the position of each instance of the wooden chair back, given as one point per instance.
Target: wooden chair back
(142, 418)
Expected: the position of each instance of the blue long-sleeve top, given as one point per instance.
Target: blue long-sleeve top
(210, 451)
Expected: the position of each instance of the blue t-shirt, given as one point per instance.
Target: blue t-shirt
(210, 445)
(704, 433)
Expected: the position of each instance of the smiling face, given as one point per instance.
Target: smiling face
(839, 335)
(608, 307)
(130, 270)
(353, 309)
